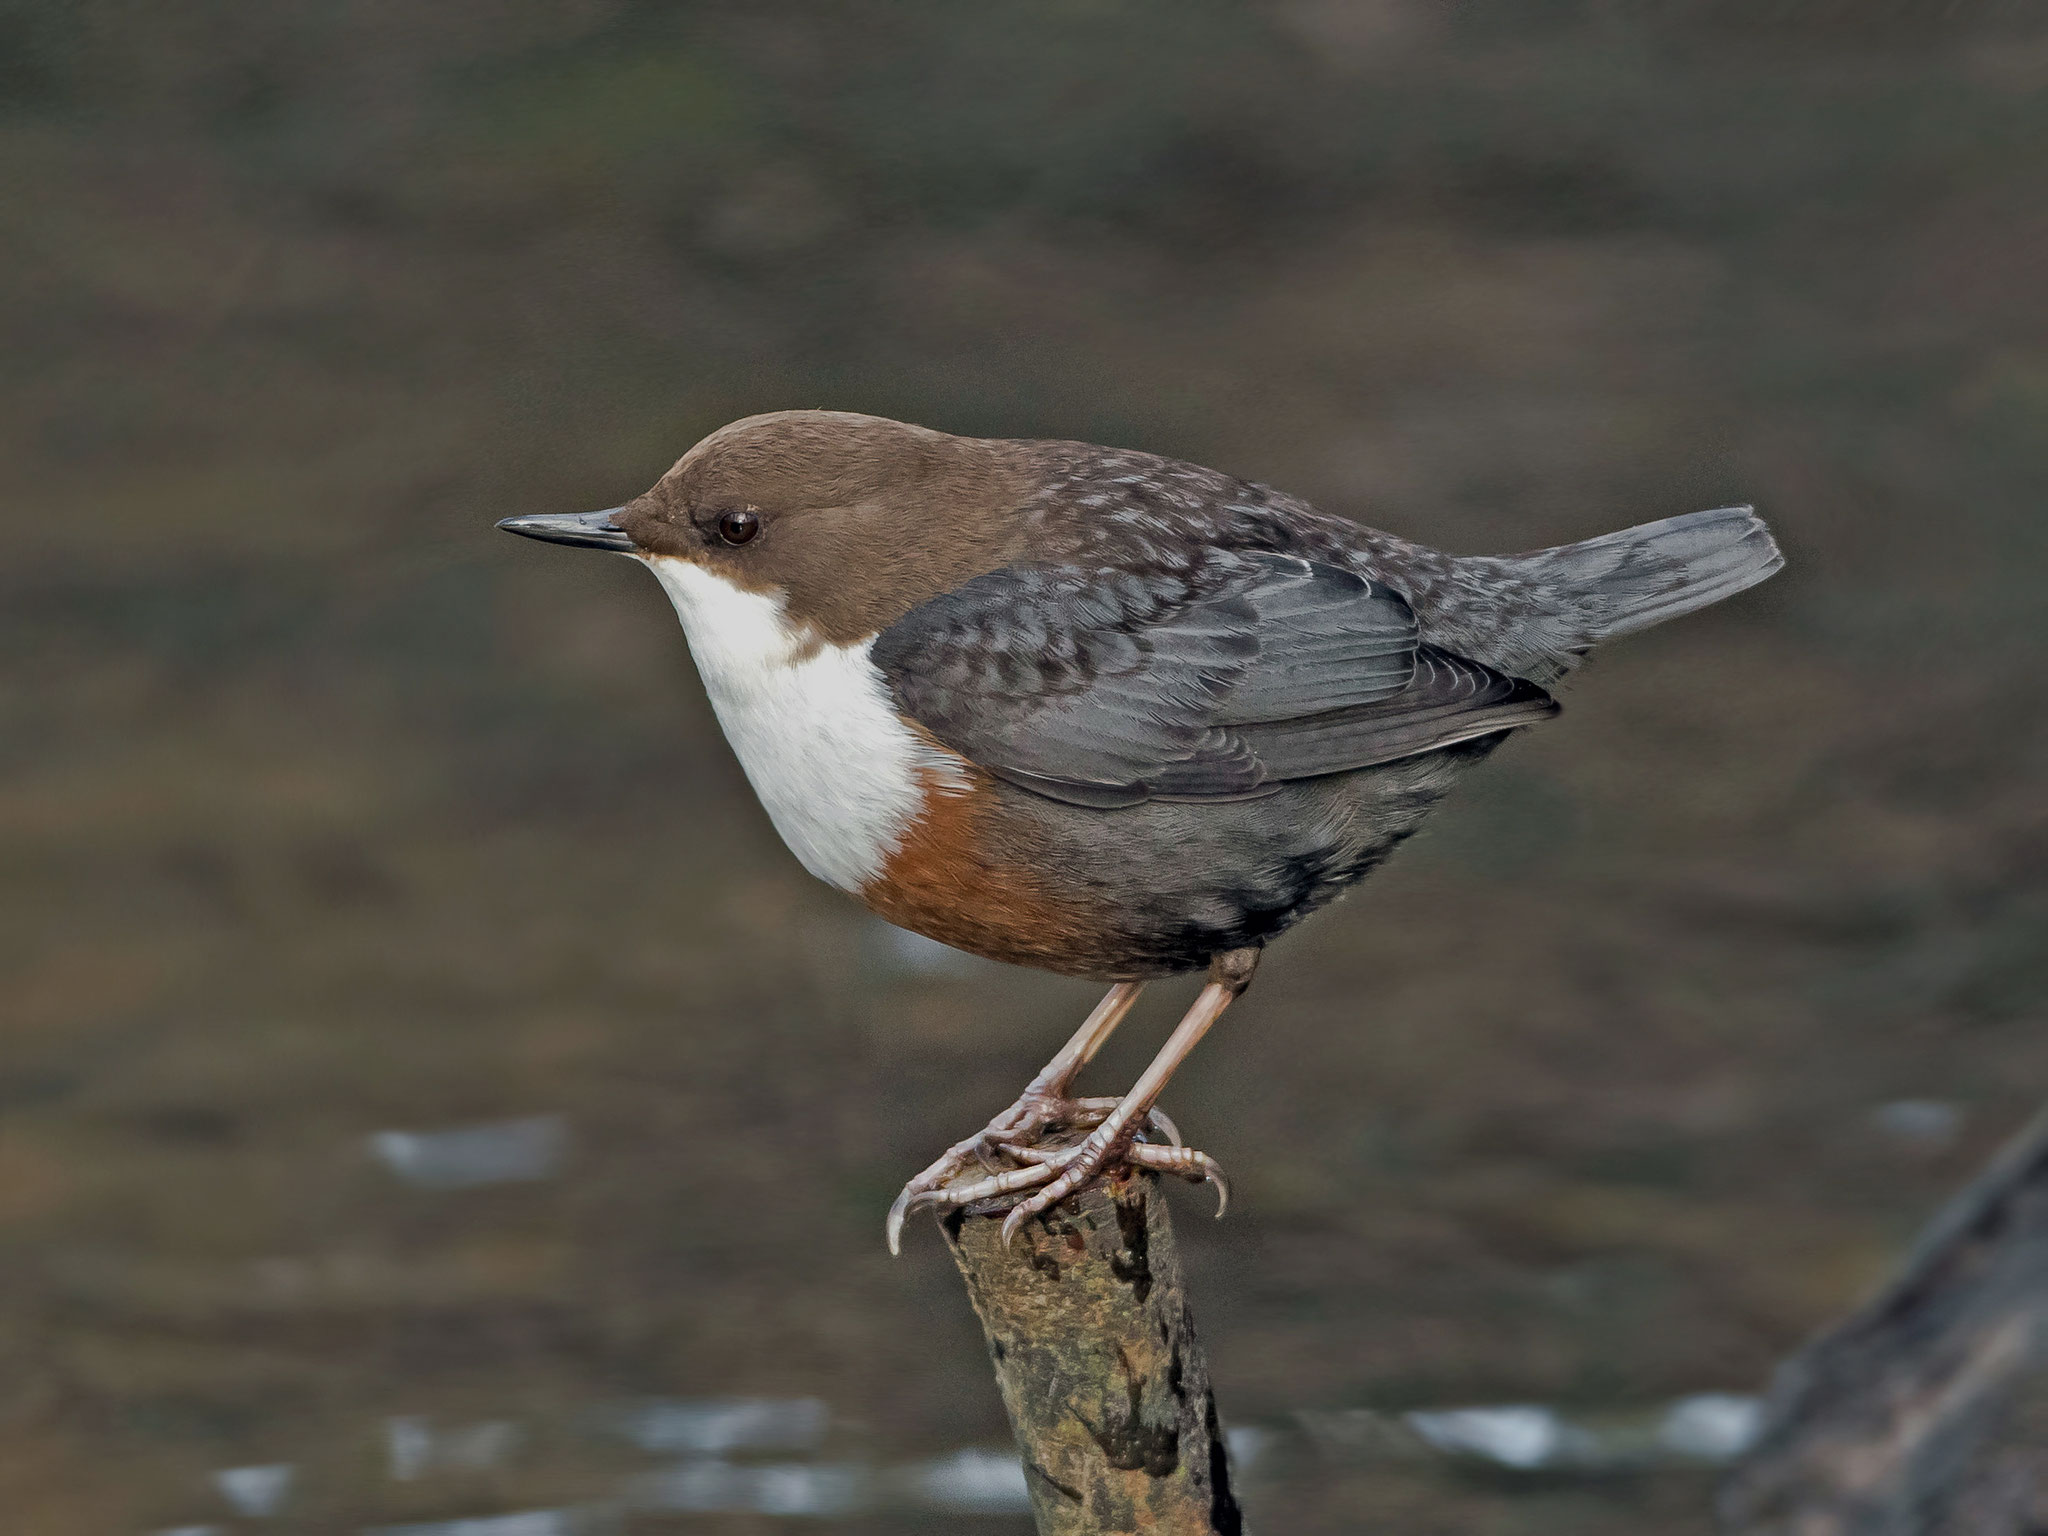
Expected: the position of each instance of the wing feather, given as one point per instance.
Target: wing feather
(1109, 688)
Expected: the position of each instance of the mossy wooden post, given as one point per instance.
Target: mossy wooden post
(1095, 1353)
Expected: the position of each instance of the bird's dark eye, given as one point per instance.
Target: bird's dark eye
(738, 527)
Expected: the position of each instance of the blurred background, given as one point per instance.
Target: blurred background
(427, 1089)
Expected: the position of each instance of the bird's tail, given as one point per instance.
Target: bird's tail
(1641, 576)
(1547, 608)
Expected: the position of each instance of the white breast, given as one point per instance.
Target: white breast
(813, 726)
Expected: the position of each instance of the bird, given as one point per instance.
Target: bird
(1102, 712)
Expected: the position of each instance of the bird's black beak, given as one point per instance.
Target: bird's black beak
(591, 530)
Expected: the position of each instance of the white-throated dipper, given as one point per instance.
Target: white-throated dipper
(1101, 712)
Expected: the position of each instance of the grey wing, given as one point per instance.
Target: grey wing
(1109, 688)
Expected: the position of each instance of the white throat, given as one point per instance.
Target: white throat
(835, 767)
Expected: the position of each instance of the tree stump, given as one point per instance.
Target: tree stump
(1095, 1352)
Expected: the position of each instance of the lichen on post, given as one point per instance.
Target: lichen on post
(1095, 1352)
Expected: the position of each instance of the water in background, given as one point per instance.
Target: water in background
(429, 1097)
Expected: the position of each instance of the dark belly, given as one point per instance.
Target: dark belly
(1154, 889)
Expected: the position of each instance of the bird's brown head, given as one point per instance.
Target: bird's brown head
(851, 520)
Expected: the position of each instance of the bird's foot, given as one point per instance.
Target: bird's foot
(1025, 1123)
(1062, 1171)
(1052, 1172)
(1022, 1123)
(1005, 1143)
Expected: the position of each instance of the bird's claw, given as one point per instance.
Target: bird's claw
(1014, 1135)
(1050, 1173)
(1097, 1155)
(1185, 1162)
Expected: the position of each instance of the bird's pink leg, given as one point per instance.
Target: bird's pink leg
(1043, 1102)
(1057, 1075)
(1110, 1141)
(1053, 1173)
